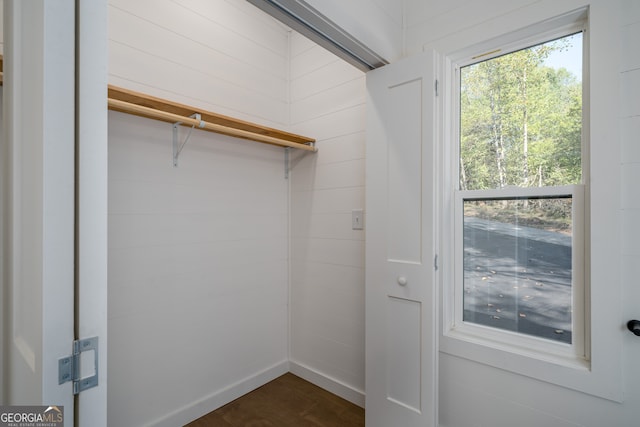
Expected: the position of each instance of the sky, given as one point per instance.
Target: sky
(571, 59)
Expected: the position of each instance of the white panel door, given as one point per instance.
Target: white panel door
(401, 350)
(54, 200)
(38, 200)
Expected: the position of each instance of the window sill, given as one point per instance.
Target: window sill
(484, 345)
(563, 370)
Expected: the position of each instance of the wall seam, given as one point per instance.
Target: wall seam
(289, 189)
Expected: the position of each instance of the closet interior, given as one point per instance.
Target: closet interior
(230, 263)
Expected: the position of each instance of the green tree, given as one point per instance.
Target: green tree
(520, 122)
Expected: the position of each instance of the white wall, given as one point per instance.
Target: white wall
(473, 394)
(630, 207)
(197, 254)
(449, 25)
(1, 32)
(378, 24)
(327, 272)
(221, 55)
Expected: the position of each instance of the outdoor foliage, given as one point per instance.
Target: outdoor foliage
(520, 122)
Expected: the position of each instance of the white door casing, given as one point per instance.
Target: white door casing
(401, 292)
(91, 197)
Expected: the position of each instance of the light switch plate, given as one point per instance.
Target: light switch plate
(357, 219)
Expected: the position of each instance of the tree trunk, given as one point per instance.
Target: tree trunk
(463, 175)
(525, 130)
(498, 138)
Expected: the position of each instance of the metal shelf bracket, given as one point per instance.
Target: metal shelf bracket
(286, 163)
(177, 146)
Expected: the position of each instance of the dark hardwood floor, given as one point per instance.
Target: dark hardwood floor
(287, 401)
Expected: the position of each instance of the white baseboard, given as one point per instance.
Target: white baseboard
(330, 384)
(220, 398)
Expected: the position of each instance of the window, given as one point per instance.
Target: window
(519, 206)
(521, 229)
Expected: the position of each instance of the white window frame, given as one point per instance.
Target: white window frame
(574, 354)
(558, 363)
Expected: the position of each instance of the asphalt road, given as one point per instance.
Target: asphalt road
(518, 279)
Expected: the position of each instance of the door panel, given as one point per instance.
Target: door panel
(53, 127)
(404, 165)
(38, 200)
(401, 350)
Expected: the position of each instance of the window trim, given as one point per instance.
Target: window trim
(578, 373)
(574, 354)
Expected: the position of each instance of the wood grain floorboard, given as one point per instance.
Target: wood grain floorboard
(287, 401)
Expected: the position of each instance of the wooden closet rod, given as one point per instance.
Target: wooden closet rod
(143, 105)
(151, 113)
(128, 101)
